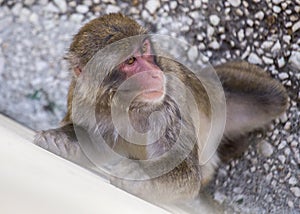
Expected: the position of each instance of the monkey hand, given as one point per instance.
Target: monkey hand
(60, 141)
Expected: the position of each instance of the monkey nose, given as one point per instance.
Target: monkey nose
(155, 74)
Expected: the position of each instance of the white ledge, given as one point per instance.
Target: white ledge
(33, 180)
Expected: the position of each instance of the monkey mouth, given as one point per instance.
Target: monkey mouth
(153, 95)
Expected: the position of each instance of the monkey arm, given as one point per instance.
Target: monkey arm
(63, 142)
(253, 99)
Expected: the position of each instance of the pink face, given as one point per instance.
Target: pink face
(150, 78)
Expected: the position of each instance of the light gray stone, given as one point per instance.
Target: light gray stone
(293, 181)
(235, 3)
(276, 47)
(276, 9)
(283, 76)
(112, 9)
(214, 20)
(266, 149)
(296, 26)
(197, 3)
(214, 45)
(282, 158)
(50, 7)
(152, 5)
(82, 9)
(267, 44)
(259, 15)
(295, 191)
(193, 53)
(62, 5)
(254, 59)
(282, 145)
(294, 58)
(29, 2)
(173, 5)
(5, 23)
(277, 1)
(267, 60)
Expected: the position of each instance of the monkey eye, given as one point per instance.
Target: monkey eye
(130, 61)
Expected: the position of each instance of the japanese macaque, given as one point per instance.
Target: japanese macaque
(252, 101)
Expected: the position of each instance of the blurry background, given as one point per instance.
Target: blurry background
(35, 35)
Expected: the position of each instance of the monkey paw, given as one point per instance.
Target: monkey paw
(57, 142)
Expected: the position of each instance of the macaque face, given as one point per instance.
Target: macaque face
(149, 78)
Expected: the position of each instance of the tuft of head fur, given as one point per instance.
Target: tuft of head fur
(98, 33)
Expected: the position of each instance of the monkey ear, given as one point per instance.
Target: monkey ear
(74, 63)
(77, 71)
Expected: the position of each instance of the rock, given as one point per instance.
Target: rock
(29, 2)
(214, 20)
(235, 3)
(34, 19)
(43, 2)
(193, 53)
(152, 5)
(282, 145)
(277, 1)
(290, 204)
(239, 12)
(281, 62)
(283, 76)
(40, 65)
(197, 3)
(294, 58)
(246, 53)
(287, 39)
(295, 191)
(283, 117)
(16, 9)
(293, 181)
(237, 190)
(24, 14)
(210, 31)
(296, 26)
(77, 18)
(276, 9)
(267, 44)
(82, 9)
(250, 22)
(214, 45)
(5, 23)
(284, 5)
(276, 47)
(112, 9)
(259, 15)
(294, 143)
(267, 60)
(62, 5)
(282, 158)
(241, 35)
(288, 24)
(51, 8)
(219, 197)
(173, 5)
(266, 149)
(2, 63)
(195, 15)
(254, 59)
